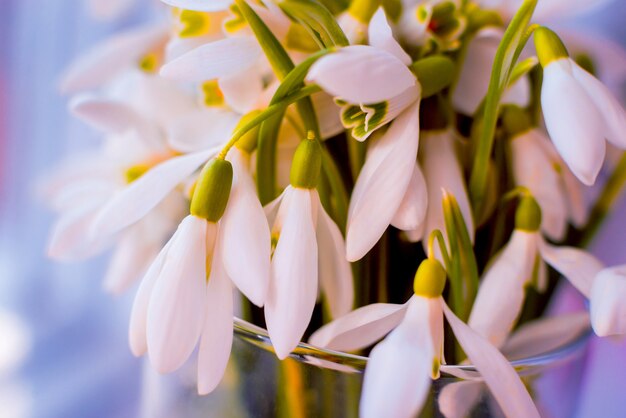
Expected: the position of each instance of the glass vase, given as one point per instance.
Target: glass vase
(321, 383)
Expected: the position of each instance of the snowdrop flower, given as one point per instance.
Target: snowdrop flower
(390, 185)
(520, 263)
(235, 63)
(187, 294)
(579, 111)
(308, 246)
(537, 166)
(400, 367)
(608, 313)
(133, 144)
(382, 66)
(432, 24)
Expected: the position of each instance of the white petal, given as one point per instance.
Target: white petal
(246, 237)
(381, 36)
(382, 184)
(242, 90)
(178, 301)
(160, 100)
(412, 211)
(397, 376)
(535, 170)
(578, 266)
(608, 56)
(328, 114)
(544, 335)
(362, 74)
(112, 116)
(360, 328)
(610, 109)
(214, 60)
(442, 170)
(139, 314)
(608, 310)
(499, 375)
(335, 272)
(458, 399)
(501, 293)
(217, 334)
(109, 58)
(133, 255)
(271, 209)
(573, 121)
(202, 129)
(69, 240)
(293, 283)
(137, 199)
(200, 5)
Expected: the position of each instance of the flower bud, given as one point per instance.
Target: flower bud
(430, 279)
(549, 46)
(307, 163)
(515, 120)
(248, 142)
(479, 18)
(434, 74)
(528, 215)
(212, 190)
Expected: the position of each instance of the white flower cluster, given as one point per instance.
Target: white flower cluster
(213, 88)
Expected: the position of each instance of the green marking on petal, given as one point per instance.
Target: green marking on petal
(236, 22)
(363, 119)
(194, 23)
(212, 94)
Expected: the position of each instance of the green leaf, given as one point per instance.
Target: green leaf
(274, 51)
(464, 279)
(510, 47)
(318, 20)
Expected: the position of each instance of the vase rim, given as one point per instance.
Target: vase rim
(354, 363)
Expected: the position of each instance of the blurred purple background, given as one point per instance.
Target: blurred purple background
(77, 362)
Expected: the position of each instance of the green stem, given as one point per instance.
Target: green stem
(271, 110)
(513, 41)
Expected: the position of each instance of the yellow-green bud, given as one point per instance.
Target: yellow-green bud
(430, 279)
(515, 120)
(443, 11)
(434, 74)
(363, 10)
(307, 163)
(479, 18)
(249, 140)
(212, 190)
(528, 215)
(549, 46)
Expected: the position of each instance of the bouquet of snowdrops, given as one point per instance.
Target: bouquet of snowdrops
(380, 163)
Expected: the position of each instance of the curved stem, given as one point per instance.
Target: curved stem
(266, 114)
